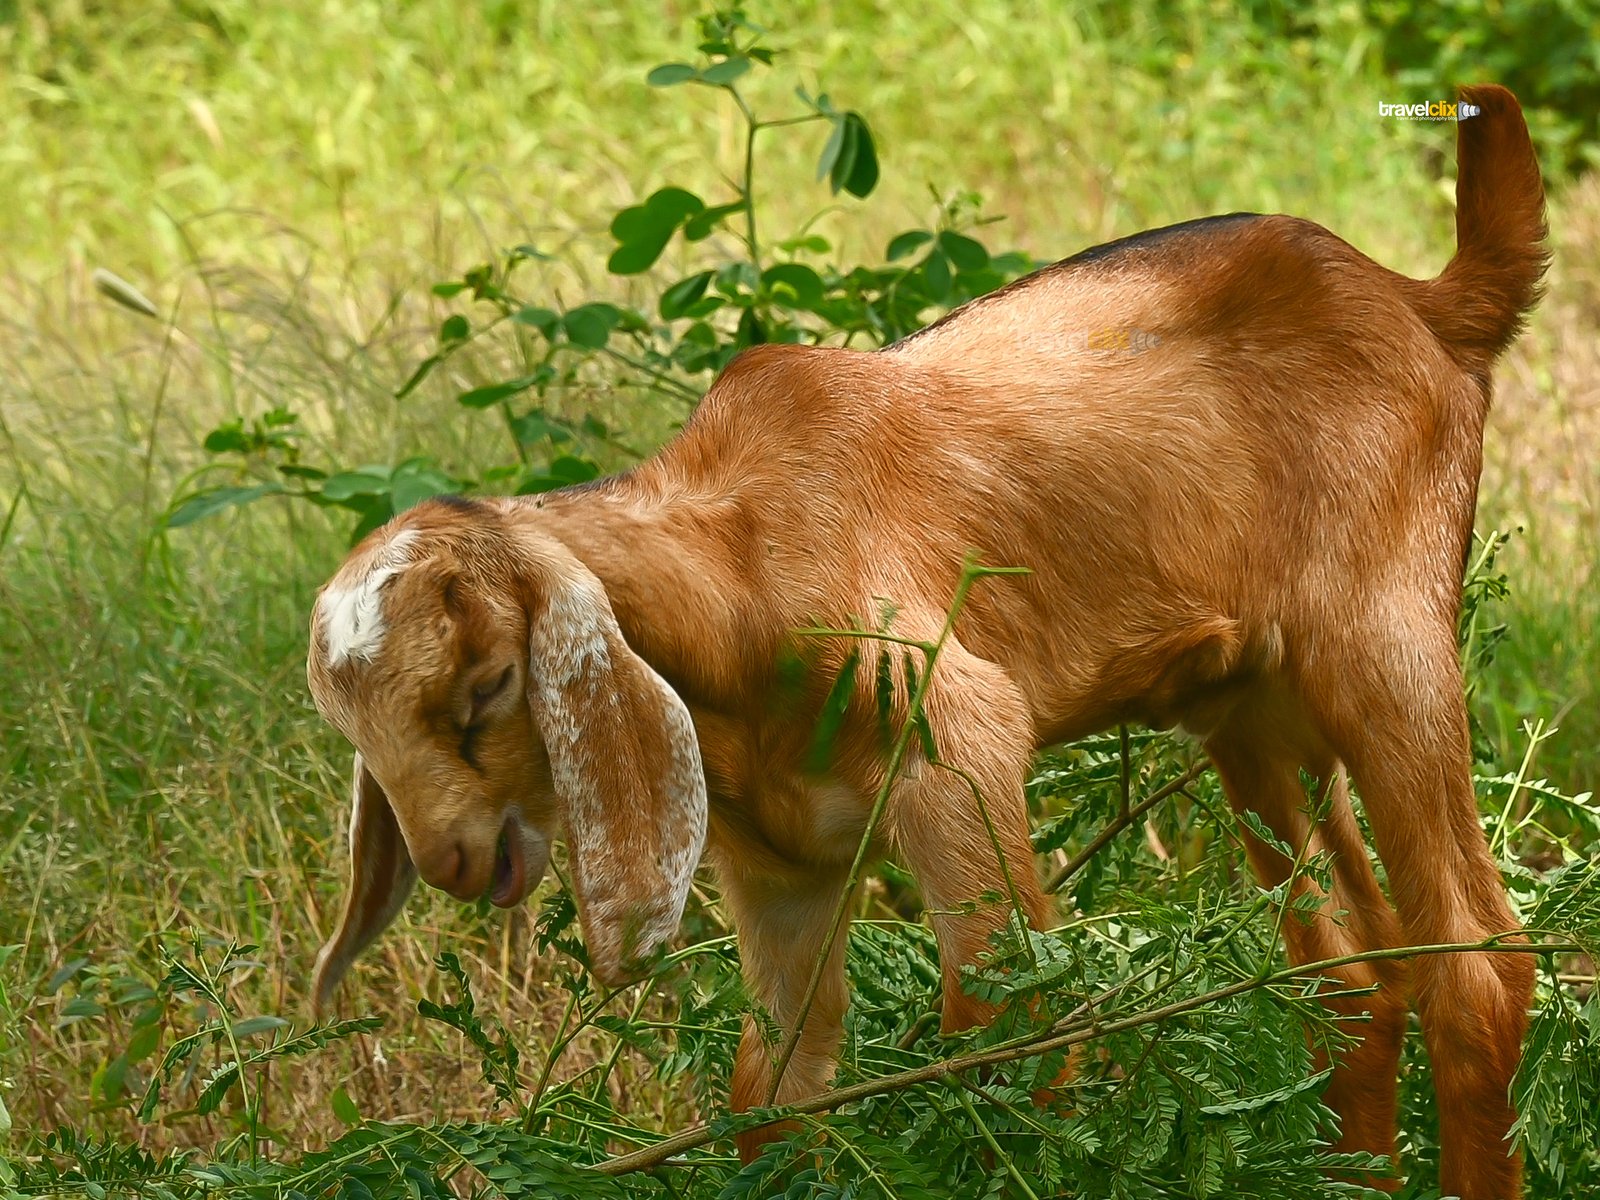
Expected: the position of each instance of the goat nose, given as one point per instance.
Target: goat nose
(448, 869)
(453, 867)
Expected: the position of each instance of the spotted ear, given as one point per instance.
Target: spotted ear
(627, 773)
(381, 878)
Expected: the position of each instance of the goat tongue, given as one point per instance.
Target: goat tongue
(510, 869)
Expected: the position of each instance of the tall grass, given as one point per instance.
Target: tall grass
(284, 181)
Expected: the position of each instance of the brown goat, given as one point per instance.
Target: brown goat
(1253, 527)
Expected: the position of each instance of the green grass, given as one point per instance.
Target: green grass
(284, 181)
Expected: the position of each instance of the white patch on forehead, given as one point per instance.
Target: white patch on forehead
(352, 616)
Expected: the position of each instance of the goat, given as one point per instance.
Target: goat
(1254, 528)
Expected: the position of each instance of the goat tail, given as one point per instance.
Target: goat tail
(1478, 304)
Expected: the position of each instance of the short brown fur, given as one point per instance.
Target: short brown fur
(1254, 527)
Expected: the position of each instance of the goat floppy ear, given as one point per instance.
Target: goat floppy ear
(626, 768)
(381, 877)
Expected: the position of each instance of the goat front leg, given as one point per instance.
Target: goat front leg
(961, 822)
(783, 921)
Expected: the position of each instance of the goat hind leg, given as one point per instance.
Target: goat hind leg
(1355, 918)
(965, 837)
(1404, 735)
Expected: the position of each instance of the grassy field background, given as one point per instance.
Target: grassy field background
(284, 181)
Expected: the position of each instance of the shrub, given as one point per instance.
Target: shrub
(782, 290)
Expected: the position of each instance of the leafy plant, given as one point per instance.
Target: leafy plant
(214, 1055)
(1543, 52)
(783, 291)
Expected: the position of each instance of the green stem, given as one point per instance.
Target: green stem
(864, 635)
(994, 1147)
(1302, 853)
(664, 380)
(1502, 835)
(751, 127)
(610, 1063)
(1000, 853)
(1127, 770)
(558, 1047)
(1121, 822)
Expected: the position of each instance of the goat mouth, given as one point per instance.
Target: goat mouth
(510, 868)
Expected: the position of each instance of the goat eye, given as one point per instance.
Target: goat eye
(485, 692)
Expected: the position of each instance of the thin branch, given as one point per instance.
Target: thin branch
(865, 635)
(1302, 854)
(1123, 819)
(918, 1027)
(558, 1047)
(662, 379)
(994, 1146)
(1127, 770)
(747, 190)
(1015, 896)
